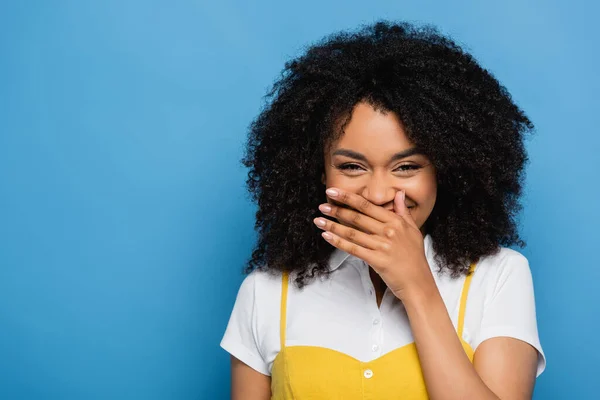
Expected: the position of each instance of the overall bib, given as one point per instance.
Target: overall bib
(319, 373)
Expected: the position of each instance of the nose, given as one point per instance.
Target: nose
(379, 190)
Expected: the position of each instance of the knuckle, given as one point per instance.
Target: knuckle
(363, 204)
(384, 246)
(391, 232)
(336, 212)
(345, 197)
(356, 217)
(353, 249)
(351, 234)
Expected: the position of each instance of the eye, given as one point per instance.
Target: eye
(407, 169)
(350, 167)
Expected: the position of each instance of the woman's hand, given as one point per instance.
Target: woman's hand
(390, 242)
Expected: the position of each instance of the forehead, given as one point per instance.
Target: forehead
(373, 132)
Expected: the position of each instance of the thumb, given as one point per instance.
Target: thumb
(400, 207)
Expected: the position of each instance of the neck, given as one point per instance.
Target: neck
(378, 283)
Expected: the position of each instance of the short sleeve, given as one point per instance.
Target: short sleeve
(241, 336)
(510, 308)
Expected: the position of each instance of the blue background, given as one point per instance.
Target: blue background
(124, 222)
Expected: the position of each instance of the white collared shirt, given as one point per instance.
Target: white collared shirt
(341, 312)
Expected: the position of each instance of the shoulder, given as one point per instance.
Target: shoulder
(494, 270)
(504, 301)
(261, 284)
(503, 260)
(252, 331)
(260, 297)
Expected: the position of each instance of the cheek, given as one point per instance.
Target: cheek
(425, 194)
(346, 183)
(423, 191)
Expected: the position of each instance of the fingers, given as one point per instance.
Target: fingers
(367, 255)
(353, 218)
(361, 204)
(352, 236)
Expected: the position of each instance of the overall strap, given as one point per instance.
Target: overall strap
(282, 319)
(463, 300)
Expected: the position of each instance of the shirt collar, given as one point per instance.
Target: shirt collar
(338, 256)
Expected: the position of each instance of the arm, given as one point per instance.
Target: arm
(250, 378)
(248, 384)
(392, 244)
(504, 368)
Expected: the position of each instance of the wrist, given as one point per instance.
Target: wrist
(421, 293)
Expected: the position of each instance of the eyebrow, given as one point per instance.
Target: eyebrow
(358, 156)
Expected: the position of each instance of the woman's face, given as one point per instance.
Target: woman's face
(375, 159)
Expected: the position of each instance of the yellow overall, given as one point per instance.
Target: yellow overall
(318, 373)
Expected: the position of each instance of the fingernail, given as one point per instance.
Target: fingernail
(326, 235)
(325, 208)
(320, 221)
(332, 192)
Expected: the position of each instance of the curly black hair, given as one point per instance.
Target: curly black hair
(454, 110)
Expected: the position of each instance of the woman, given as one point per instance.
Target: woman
(396, 282)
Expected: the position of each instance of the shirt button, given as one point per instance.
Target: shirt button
(368, 374)
(375, 347)
(375, 321)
